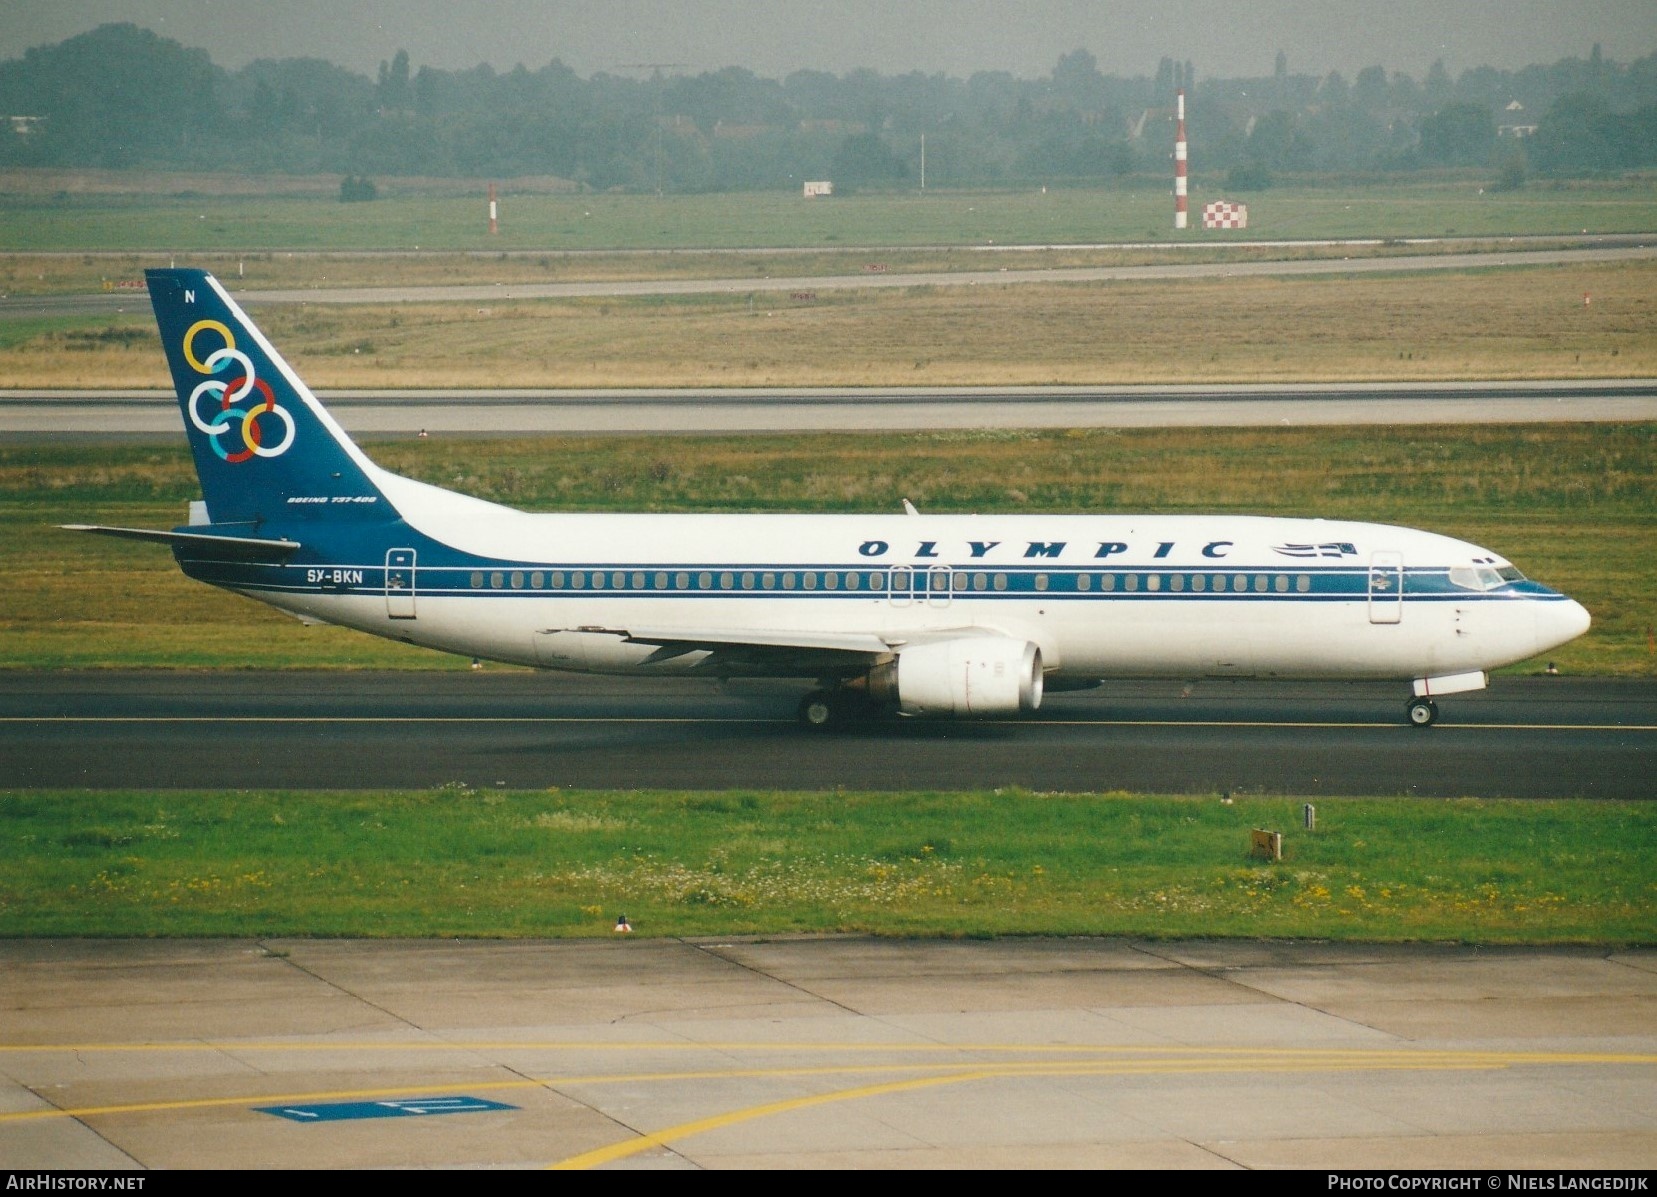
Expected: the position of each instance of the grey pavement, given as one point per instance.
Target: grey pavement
(836, 1052)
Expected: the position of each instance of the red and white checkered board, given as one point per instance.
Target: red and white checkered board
(1224, 214)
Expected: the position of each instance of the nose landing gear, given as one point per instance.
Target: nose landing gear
(1422, 711)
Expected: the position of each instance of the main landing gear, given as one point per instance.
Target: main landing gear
(1421, 712)
(833, 708)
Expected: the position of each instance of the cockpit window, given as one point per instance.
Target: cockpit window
(1483, 577)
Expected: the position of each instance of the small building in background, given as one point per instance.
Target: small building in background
(824, 187)
(1515, 122)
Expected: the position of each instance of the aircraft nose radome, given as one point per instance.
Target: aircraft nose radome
(1557, 623)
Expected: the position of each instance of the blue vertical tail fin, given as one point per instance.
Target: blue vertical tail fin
(265, 449)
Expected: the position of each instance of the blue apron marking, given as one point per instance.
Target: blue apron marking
(405, 1107)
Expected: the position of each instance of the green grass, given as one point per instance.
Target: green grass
(459, 862)
(184, 223)
(1570, 504)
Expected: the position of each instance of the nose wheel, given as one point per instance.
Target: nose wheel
(1422, 712)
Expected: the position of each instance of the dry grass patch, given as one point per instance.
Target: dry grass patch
(1510, 323)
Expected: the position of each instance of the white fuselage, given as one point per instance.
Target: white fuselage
(1101, 596)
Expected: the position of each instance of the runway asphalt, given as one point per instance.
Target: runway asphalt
(1528, 737)
(154, 415)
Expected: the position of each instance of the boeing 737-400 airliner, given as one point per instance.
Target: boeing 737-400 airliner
(920, 614)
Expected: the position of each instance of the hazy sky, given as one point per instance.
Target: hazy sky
(957, 37)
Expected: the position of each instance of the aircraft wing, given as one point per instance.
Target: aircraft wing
(234, 548)
(775, 652)
(717, 638)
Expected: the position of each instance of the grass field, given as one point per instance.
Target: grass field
(406, 220)
(1569, 503)
(465, 863)
(1521, 322)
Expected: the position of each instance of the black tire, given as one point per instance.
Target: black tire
(821, 710)
(1421, 712)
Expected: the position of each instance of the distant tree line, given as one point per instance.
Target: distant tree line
(122, 96)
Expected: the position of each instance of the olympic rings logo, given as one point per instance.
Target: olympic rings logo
(223, 396)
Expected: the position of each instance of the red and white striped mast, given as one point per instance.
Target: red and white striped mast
(1179, 160)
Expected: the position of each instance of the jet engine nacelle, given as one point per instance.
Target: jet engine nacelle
(971, 675)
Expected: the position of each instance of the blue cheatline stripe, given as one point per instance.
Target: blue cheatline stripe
(1020, 582)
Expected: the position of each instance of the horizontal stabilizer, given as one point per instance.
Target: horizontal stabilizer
(230, 548)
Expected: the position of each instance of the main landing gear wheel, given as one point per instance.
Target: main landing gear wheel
(822, 709)
(1422, 712)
